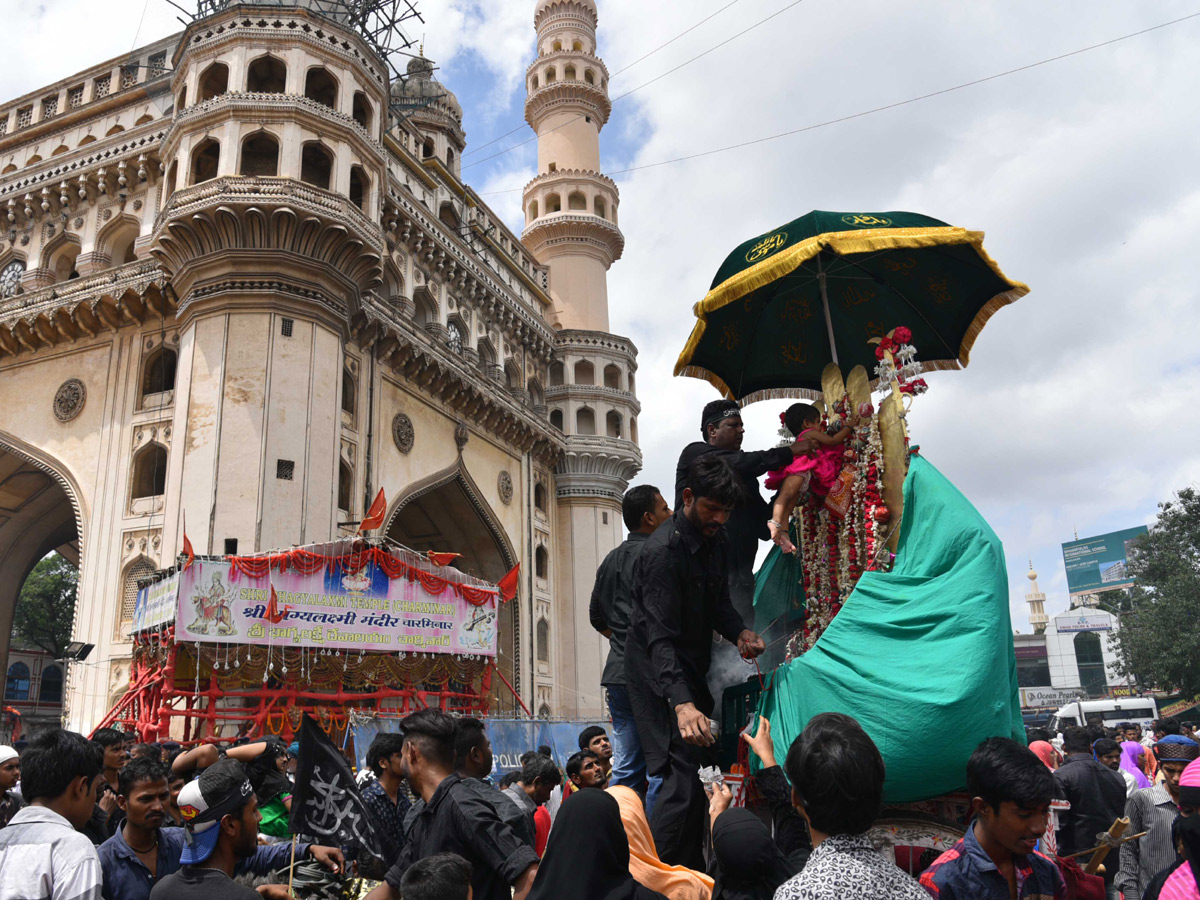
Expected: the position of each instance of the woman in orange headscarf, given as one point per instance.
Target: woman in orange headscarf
(674, 882)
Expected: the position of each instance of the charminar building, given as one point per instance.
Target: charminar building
(237, 291)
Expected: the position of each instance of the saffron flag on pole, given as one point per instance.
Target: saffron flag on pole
(508, 584)
(187, 547)
(374, 517)
(326, 802)
(441, 559)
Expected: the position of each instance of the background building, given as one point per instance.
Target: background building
(243, 286)
(33, 693)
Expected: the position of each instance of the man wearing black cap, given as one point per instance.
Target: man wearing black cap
(722, 431)
(221, 816)
(1154, 810)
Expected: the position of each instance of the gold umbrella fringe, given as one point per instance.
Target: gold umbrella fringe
(241, 667)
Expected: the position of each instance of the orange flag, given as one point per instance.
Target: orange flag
(274, 614)
(508, 584)
(187, 548)
(374, 517)
(441, 559)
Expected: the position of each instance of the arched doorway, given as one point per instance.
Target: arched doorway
(38, 514)
(447, 513)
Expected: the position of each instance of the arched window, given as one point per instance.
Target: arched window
(585, 421)
(427, 149)
(359, 187)
(541, 562)
(633, 430)
(260, 155)
(551, 75)
(601, 208)
(319, 85)
(454, 338)
(539, 496)
(450, 158)
(569, 73)
(1090, 658)
(120, 242)
(213, 81)
(427, 310)
(632, 389)
(316, 164)
(534, 83)
(63, 262)
(16, 686)
(266, 75)
(556, 418)
(557, 373)
(349, 391)
(576, 200)
(160, 372)
(172, 177)
(206, 159)
(553, 203)
(585, 372)
(345, 486)
(150, 472)
(129, 590)
(613, 424)
(543, 643)
(588, 76)
(362, 110)
(612, 377)
(556, 46)
(533, 210)
(51, 688)
(536, 396)
(577, 46)
(181, 103)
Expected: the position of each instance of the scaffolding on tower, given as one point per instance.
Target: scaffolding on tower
(246, 645)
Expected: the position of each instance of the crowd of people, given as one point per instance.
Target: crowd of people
(626, 815)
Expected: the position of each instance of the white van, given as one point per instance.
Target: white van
(1109, 713)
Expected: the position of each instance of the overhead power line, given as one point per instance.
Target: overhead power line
(618, 72)
(884, 108)
(688, 62)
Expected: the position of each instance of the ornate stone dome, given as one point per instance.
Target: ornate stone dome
(420, 86)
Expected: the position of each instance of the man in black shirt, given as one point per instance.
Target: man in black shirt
(643, 509)
(722, 431)
(455, 818)
(1097, 797)
(680, 596)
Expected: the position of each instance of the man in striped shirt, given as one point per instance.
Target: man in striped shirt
(1153, 810)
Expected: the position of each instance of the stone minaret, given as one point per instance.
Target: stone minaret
(570, 207)
(1036, 600)
(570, 227)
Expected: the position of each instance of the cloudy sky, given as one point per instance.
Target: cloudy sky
(1077, 413)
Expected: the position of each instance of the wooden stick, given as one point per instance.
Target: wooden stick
(1124, 840)
(292, 867)
(1117, 829)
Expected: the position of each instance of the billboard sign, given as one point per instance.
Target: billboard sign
(1042, 697)
(1100, 563)
(1085, 622)
(332, 609)
(155, 605)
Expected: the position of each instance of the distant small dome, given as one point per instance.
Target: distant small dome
(421, 85)
(1032, 576)
(543, 5)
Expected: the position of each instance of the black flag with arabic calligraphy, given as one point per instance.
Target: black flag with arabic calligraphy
(326, 803)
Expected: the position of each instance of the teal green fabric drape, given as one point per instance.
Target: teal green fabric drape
(921, 656)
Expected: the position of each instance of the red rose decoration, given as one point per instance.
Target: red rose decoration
(783, 418)
(902, 335)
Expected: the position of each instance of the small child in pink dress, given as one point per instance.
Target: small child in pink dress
(816, 472)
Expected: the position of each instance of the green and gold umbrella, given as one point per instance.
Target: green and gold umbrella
(787, 303)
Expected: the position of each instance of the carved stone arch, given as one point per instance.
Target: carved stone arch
(512, 374)
(112, 237)
(59, 254)
(446, 511)
(50, 517)
(393, 279)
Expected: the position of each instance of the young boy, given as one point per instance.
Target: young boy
(1011, 790)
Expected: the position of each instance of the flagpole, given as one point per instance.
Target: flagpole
(292, 867)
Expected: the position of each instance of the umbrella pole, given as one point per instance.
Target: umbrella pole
(825, 309)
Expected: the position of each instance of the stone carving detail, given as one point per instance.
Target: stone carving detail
(68, 402)
(402, 433)
(505, 486)
(461, 435)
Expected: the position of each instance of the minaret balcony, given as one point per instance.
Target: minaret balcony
(569, 96)
(569, 232)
